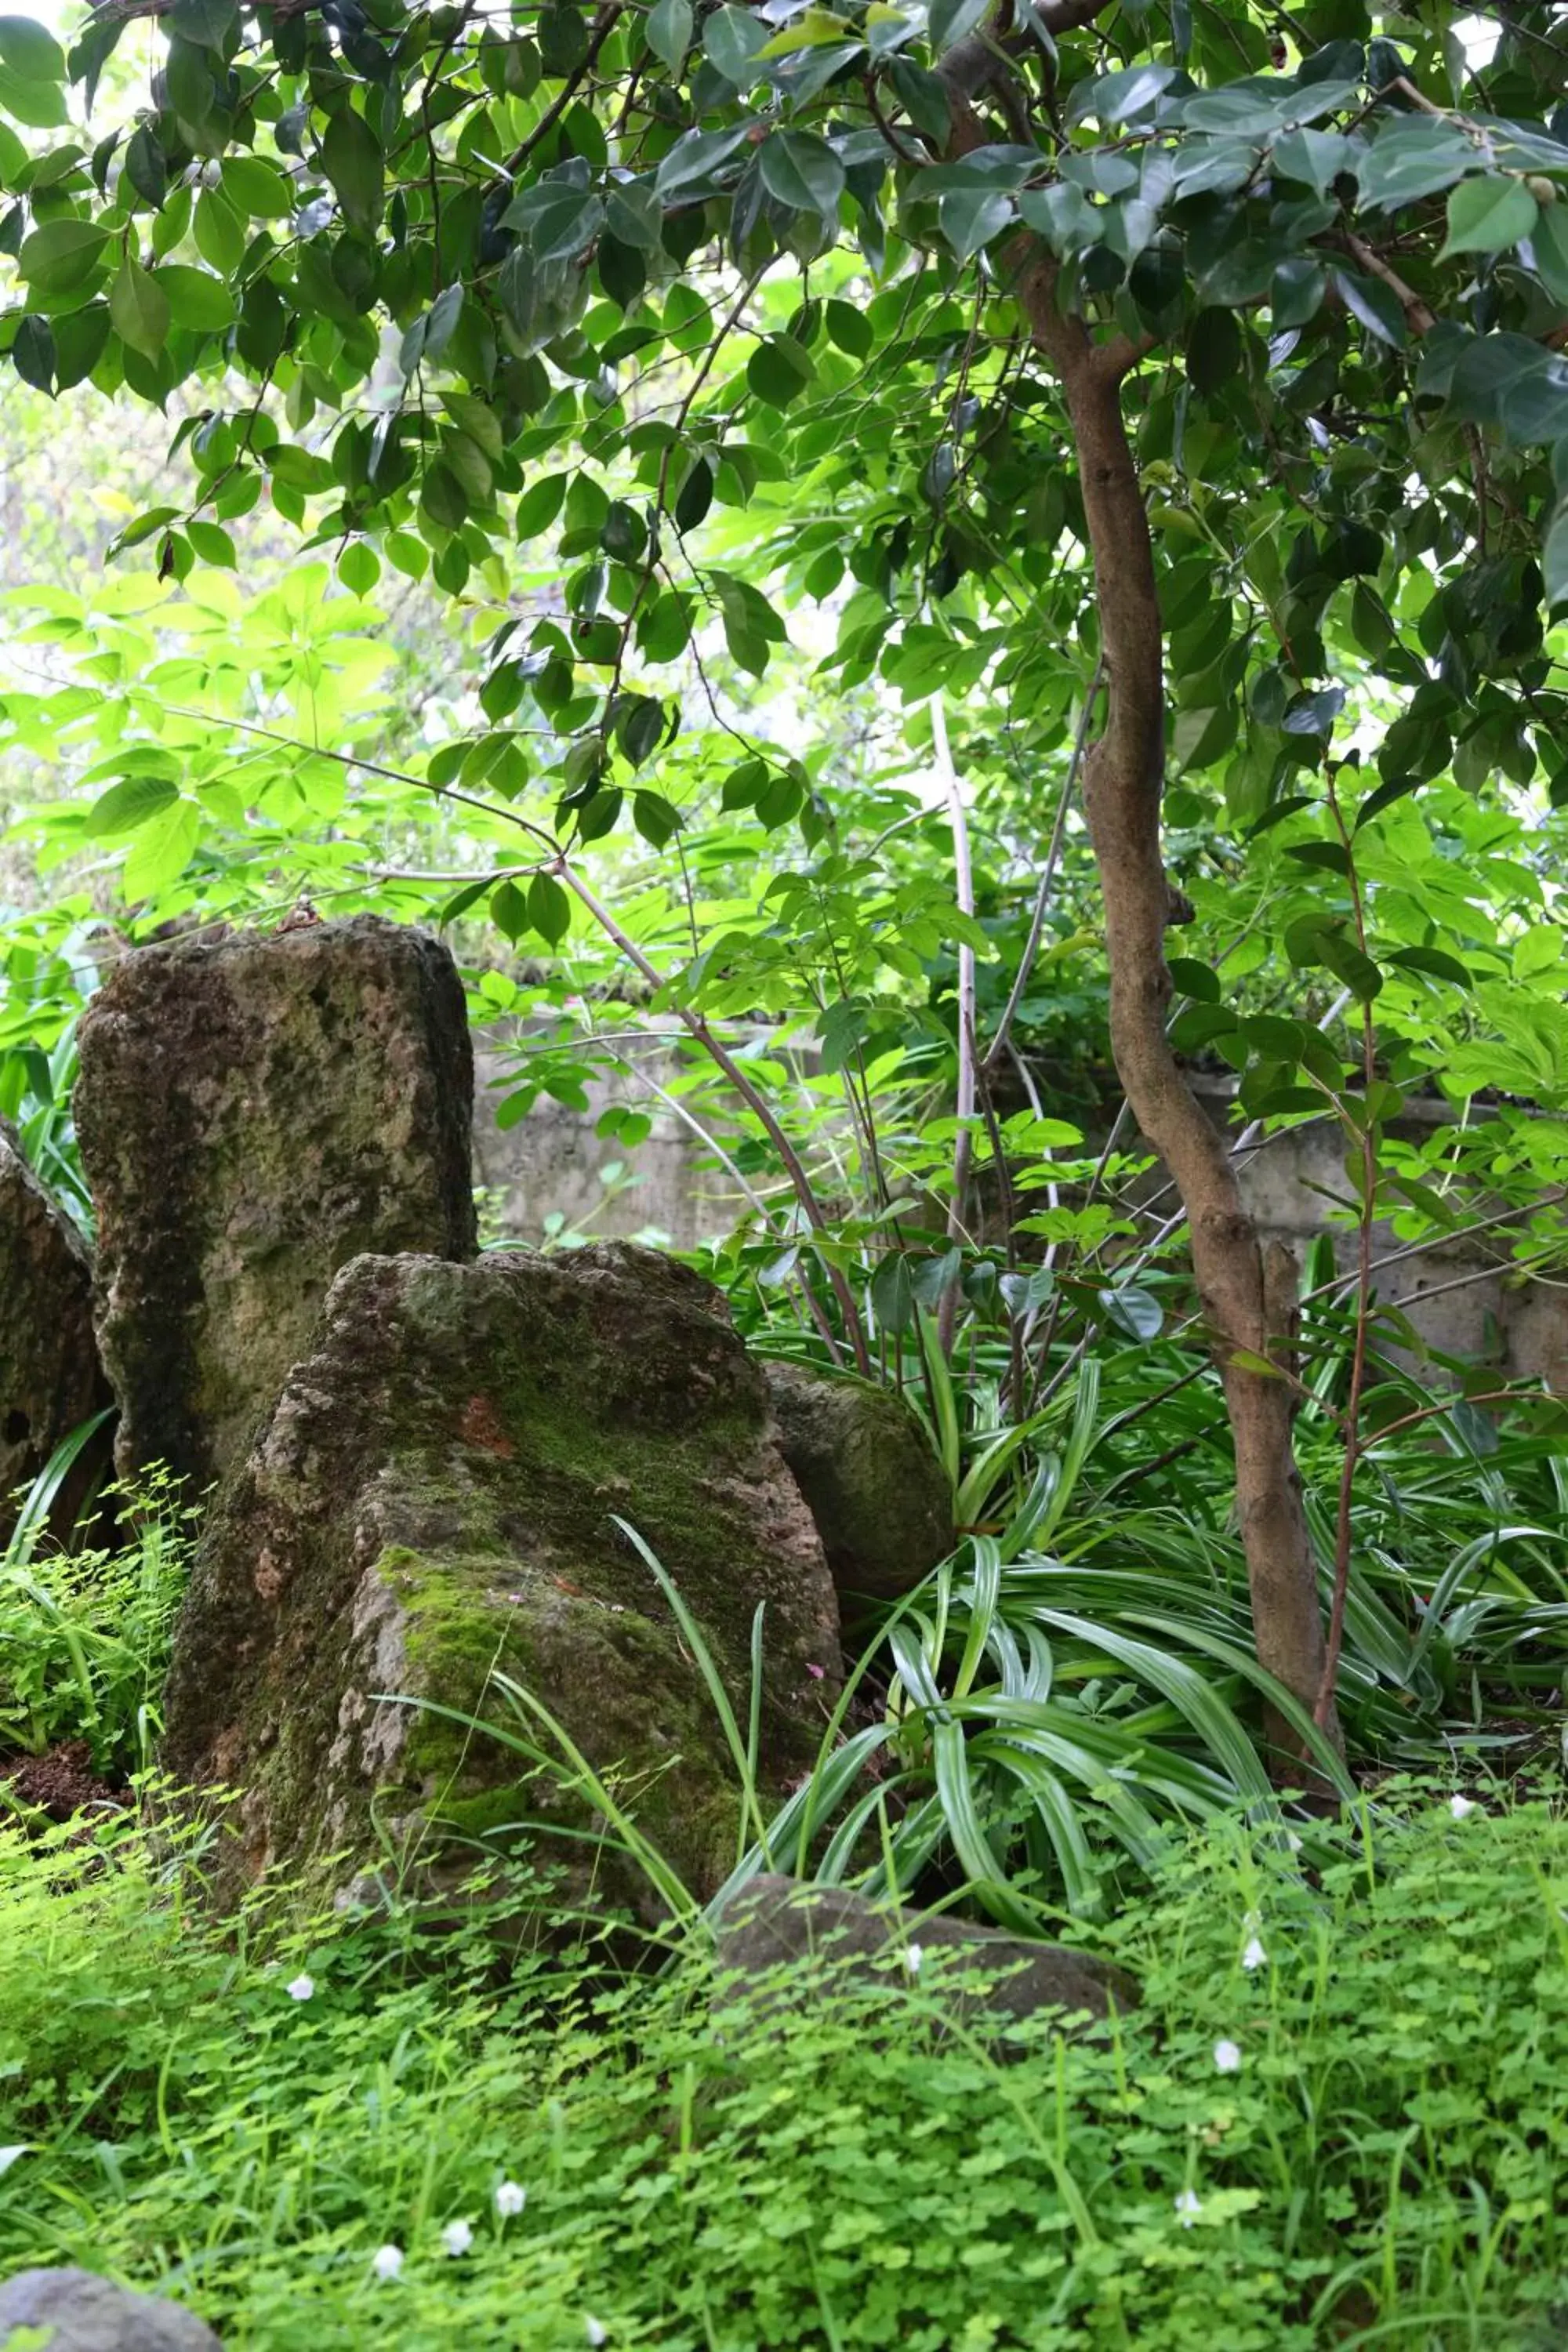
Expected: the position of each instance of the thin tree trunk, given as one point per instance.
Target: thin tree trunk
(1123, 780)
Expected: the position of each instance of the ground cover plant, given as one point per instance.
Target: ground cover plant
(1179, 395)
(1337, 2117)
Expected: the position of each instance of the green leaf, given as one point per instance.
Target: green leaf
(1486, 215)
(140, 309)
(634, 215)
(1297, 291)
(1374, 304)
(63, 254)
(891, 1295)
(258, 187)
(653, 816)
(950, 20)
(802, 172)
(549, 908)
(1549, 243)
(41, 105)
(1554, 561)
(219, 233)
(1213, 350)
(731, 39)
(33, 353)
(1414, 155)
(971, 218)
(539, 506)
(195, 298)
(30, 51)
(848, 328)
(667, 31)
(145, 167)
(508, 909)
(130, 804)
(1134, 1310)
(779, 370)
(694, 164)
(1435, 963)
(213, 545)
(352, 159)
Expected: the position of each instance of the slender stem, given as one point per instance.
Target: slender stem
(1323, 1710)
(998, 1044)
(963, 877)
(756, 1102)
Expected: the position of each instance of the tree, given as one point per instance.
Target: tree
(1187, 370)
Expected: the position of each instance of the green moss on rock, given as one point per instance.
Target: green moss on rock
(436, 1497)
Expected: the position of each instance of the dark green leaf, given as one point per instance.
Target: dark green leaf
(802, 172)
(352, 159)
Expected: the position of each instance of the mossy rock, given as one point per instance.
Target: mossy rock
(255, 1109)
(434, 1497)
(880, 1498)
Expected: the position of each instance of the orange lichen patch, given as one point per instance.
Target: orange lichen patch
(481, 1427)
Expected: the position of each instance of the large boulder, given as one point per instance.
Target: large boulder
(76, 2311)
(878, 1495)
(254, 1110)
(50, 1378)
(435, 1495)
(773, 1924)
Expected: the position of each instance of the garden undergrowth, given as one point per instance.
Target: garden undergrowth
(1338, 2116)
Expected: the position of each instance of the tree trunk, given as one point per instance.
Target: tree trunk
(1123, 780)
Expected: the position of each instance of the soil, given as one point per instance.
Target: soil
(60, 1783)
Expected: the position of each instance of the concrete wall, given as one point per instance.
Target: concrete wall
(550, 1164)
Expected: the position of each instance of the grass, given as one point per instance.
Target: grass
(1381, 2168)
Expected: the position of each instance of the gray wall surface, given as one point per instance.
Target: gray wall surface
(1463, 1298)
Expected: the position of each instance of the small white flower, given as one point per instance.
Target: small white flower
(386, 2261)
(1189, 2205)
(457, 2237)
(914, 1960)
(1460, 1806)
(300, 1988)
(1292, 1842)
(1227, 2057)
(1255, 1957)
(510, 2197)
(595, 2330)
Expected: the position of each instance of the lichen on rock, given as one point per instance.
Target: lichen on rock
(254, 1110)
(436, 1497)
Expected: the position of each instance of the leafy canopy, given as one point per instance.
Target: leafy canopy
(700, 315)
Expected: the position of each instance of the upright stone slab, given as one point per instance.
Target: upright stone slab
(436, 1494)
(254, 1111)
(50, 1380)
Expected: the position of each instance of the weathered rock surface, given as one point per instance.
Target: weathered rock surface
(773, 1921)
(433, 1496)
(254, 1111)
(88, 2314)
(50, 1378)
(876, 1491)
